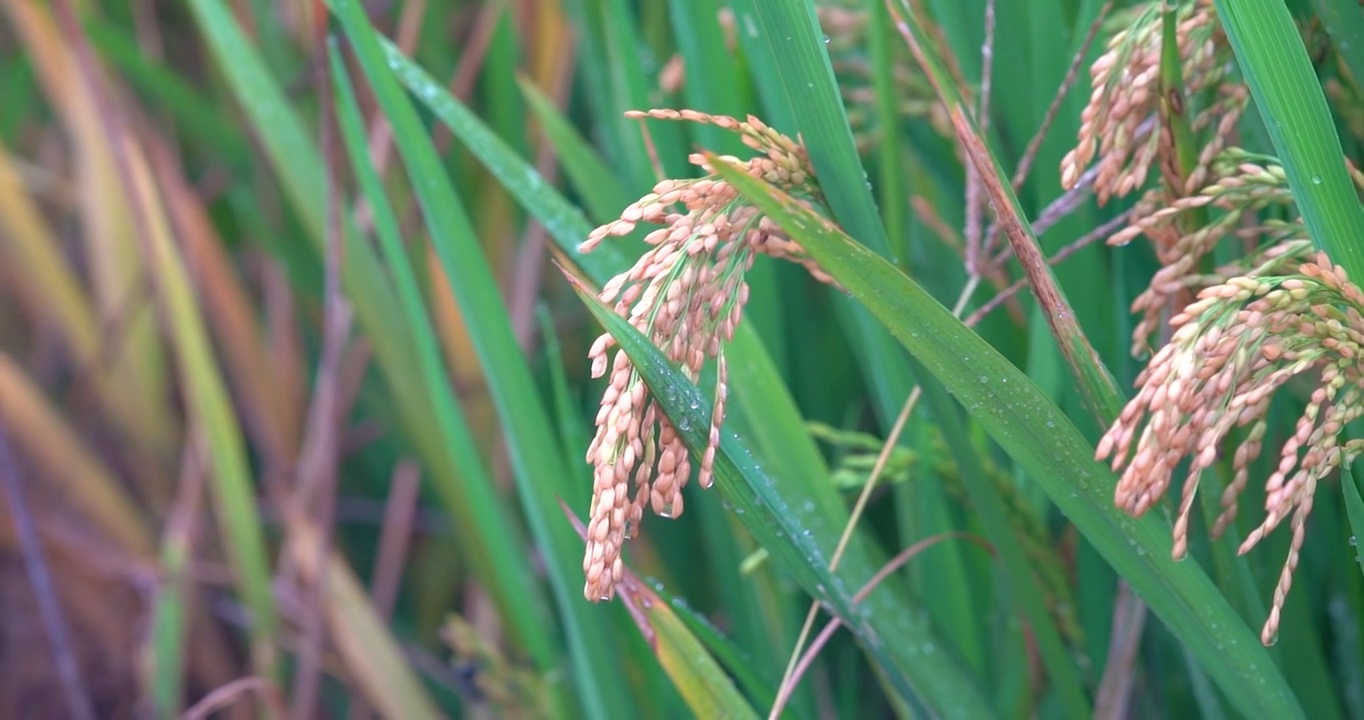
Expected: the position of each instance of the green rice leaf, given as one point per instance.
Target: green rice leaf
(1046, 445)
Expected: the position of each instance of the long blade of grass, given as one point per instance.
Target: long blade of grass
(1345, 23)
(374, 658)
(589, 173)
(1096, 384)
(789, 453)
(709, 692)
(172, 608)
(207, 396)
(70, 467)
(1047, 446)
(494, 551)
(802, 541)
(451, 423)
(1019, 576)
(1275, 64)
(233, 492)
(785, 38)
(535, 451)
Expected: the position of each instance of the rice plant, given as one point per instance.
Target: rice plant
(987, 345)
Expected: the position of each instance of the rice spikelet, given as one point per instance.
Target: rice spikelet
(687, 294)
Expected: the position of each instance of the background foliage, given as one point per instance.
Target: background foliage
(294, 394)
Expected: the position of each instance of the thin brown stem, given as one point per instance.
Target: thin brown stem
(1090, 238)
(317, 466)
(1115, 690)
(1030, 153)
(900, 559)
(226, 695)
(395, 537)
(859, 507)
(1025, 163)
(976, 247)
(528, 267)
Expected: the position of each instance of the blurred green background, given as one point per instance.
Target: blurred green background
(294, 395)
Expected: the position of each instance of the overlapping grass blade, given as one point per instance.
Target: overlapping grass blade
(495, 552)
(375, 660)
(1274, 63)
(195, 113)
(1019, 579)
(52, 444)
(1096, 384)
(709, 692)
(1272, 58)
(896, 635)
(482, 524)
(535, 451)
(1046, 445)
(209, 402)
(781, 433)
(135, 378)
(734, 659)
(600, 190)
(1344, 22)
(785, 39)
(773, 423)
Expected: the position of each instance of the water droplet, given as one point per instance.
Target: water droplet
(1316, 179)
(1354, 541)
(809, 506)
(826, 39)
